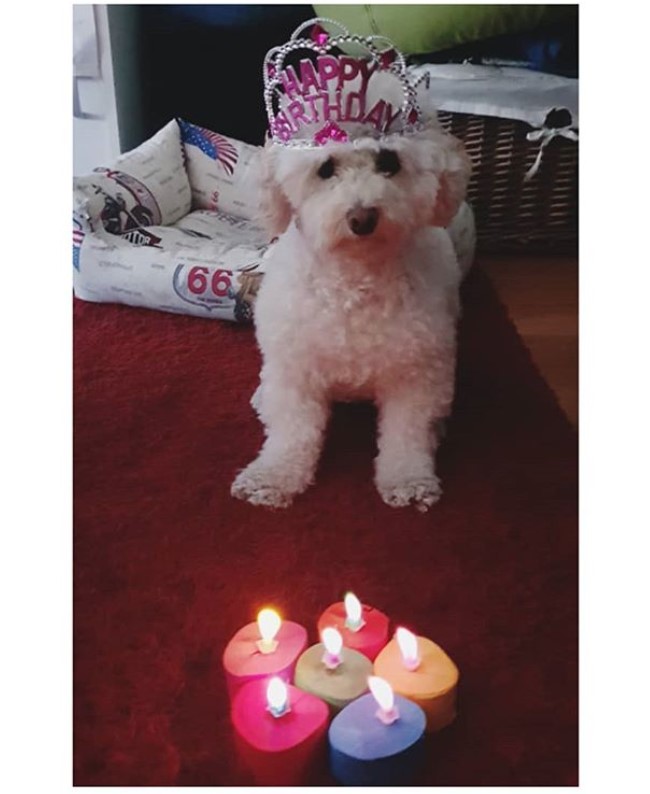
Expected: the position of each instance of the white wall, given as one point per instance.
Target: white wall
(95, 133)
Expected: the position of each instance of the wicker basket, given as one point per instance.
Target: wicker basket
(512, 215)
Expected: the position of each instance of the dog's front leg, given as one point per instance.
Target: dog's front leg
(295, 421)
(409, 414)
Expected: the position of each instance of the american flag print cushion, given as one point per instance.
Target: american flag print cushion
(217, 147)
(78, 234)
(222, 171)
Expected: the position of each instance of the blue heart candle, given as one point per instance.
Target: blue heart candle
(378, 739)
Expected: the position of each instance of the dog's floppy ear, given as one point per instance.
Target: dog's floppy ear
(274, 207)
(453, 168)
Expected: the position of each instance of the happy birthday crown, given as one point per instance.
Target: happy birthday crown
(329, 97)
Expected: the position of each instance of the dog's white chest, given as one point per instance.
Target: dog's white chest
(349, 331)
(355, 338)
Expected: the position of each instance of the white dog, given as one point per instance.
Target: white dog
(359, 302)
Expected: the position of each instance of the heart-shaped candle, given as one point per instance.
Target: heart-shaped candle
(363, 628)
(421, 671)
(333, 673)
(377, 740)
(270, 646)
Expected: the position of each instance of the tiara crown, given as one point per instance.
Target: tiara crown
(331, 96)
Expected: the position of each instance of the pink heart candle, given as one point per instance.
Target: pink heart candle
(279, 731)
(269, 647)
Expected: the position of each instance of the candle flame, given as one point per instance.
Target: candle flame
(408, 645)
(352, 608)
(276, 694)
(382, 692)
(332, 640)
(268, 623)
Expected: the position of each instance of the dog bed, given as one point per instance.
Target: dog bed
(169, 226)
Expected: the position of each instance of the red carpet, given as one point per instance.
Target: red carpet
(168, 566)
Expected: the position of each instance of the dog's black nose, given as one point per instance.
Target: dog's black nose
(363, 220)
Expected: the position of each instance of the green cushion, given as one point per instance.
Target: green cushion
(427, 28)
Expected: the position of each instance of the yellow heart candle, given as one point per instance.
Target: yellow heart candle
(421, 671)
(333, 673)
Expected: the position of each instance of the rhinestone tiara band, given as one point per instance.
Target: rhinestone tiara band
(330, 96)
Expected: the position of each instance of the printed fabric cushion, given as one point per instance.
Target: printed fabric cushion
(220, 171)
(148, 186)
(208, 264)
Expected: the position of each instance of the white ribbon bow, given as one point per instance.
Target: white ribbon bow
(546, 135)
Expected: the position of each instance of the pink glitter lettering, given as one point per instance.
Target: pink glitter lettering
(312, 103)
(350, 114)
(290, 82)
(328, 68)
(329, 108)
(308, 77)
(297, 112)
(376, 115)
(390, 117)
(349, 69)
(367, 71)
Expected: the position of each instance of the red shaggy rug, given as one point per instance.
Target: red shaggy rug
(168, 566)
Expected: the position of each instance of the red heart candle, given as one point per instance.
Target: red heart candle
(279, 730)
(364, 628)
(262, 649)
(421, 671)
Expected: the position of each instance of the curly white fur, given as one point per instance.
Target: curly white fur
(344, 316)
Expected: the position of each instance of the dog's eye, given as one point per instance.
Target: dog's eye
(327, 169)
(388, 162)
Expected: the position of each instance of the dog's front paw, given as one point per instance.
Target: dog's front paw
(261, 486)
(419, 491)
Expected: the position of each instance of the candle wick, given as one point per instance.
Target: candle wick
(279, 712)
(331, 660)
(266, 646)
(388, 717)
(354, 625)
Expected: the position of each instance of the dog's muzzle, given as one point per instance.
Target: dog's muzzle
(363, 220)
